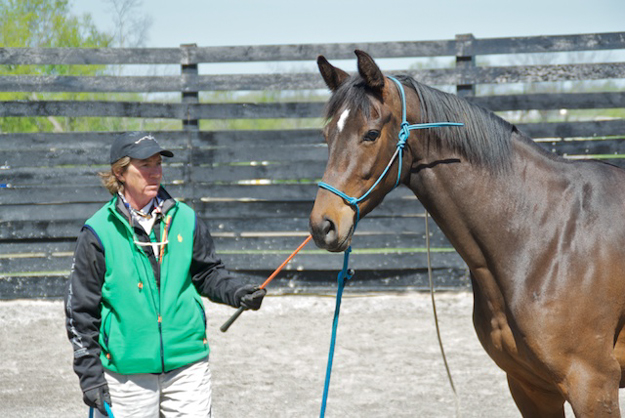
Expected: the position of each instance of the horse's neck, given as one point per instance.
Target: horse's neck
(475, 207)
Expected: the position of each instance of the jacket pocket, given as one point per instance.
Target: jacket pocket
(105, 333)
(200, 306)
(202, 312)
(106, 328)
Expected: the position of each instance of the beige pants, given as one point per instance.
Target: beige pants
(184, 392)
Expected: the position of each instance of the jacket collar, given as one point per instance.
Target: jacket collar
(168, 203)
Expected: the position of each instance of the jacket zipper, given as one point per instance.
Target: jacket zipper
(166, 225)
(160, 333)
(157, 306)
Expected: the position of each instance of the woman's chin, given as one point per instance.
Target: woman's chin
(151, 191)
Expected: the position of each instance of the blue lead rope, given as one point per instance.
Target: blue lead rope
(346, 273)
(107, 407)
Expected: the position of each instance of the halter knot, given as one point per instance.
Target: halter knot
(349, 199)
(404, 133)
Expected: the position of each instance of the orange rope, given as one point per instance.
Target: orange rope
(234, 317)
(275, 273)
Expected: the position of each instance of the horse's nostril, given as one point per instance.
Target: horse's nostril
(327, 227)
(324, 232)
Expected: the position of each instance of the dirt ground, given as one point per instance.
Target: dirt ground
(271, 363)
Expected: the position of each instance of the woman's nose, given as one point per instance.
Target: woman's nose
(155, 171)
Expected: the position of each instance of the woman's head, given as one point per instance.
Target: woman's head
(141, 180)
(136, 168)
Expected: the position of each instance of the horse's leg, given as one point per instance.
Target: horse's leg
(593, 391)
(535, 403)
(619, 353)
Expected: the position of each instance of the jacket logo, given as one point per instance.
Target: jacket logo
(179, 238)
(145, 138)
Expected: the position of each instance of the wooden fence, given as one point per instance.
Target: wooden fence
(255, 188)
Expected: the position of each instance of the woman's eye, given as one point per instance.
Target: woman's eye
(372, 136)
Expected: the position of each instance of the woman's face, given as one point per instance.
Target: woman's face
(142, 180)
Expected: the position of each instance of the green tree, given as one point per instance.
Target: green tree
(41, 24)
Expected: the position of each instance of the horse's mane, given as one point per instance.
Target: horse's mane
(484, 138)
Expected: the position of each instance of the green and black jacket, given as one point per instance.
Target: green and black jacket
(129, 310)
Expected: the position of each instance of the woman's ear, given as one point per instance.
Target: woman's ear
(119, 176)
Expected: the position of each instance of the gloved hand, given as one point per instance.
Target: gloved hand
(249, 296)
(96, 397)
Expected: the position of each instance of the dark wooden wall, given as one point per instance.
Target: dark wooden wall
(256, 188)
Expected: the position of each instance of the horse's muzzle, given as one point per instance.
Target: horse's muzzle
(332, 231)
(324, 234)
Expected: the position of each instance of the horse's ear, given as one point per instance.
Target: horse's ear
(333, 76)
(369, 70)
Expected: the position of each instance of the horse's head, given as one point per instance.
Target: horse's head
(364, 117)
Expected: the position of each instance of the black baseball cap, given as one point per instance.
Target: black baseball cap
(140, 145)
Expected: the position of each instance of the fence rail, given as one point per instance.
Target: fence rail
(303, 81)
(180, 111)
(462, 45)
(256, 187)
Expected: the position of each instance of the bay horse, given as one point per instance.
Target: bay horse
(542, 236)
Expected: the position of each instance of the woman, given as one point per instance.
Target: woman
(134, 313)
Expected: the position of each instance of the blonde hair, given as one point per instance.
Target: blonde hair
(110, 178)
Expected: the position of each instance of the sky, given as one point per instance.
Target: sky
(270, 22)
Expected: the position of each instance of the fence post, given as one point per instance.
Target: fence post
(464, 60)
(190, 125)
(189, 68)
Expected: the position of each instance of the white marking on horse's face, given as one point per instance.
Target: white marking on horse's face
(342, 119)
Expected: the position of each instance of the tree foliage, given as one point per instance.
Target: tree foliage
(43, 24)
(46, 23)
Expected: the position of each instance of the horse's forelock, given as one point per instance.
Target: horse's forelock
(351, 94)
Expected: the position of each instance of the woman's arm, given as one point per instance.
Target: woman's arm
(82, 309)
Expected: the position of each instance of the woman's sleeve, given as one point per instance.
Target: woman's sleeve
(209, 275)
(82, 308)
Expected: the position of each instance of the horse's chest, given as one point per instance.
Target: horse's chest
(498, 339)
(496, 335)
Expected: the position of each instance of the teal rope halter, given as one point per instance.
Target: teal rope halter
(404, 133)
(346, 273)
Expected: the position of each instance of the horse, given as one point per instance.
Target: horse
(543, 237)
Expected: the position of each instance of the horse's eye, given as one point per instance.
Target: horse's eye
(372, 136)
